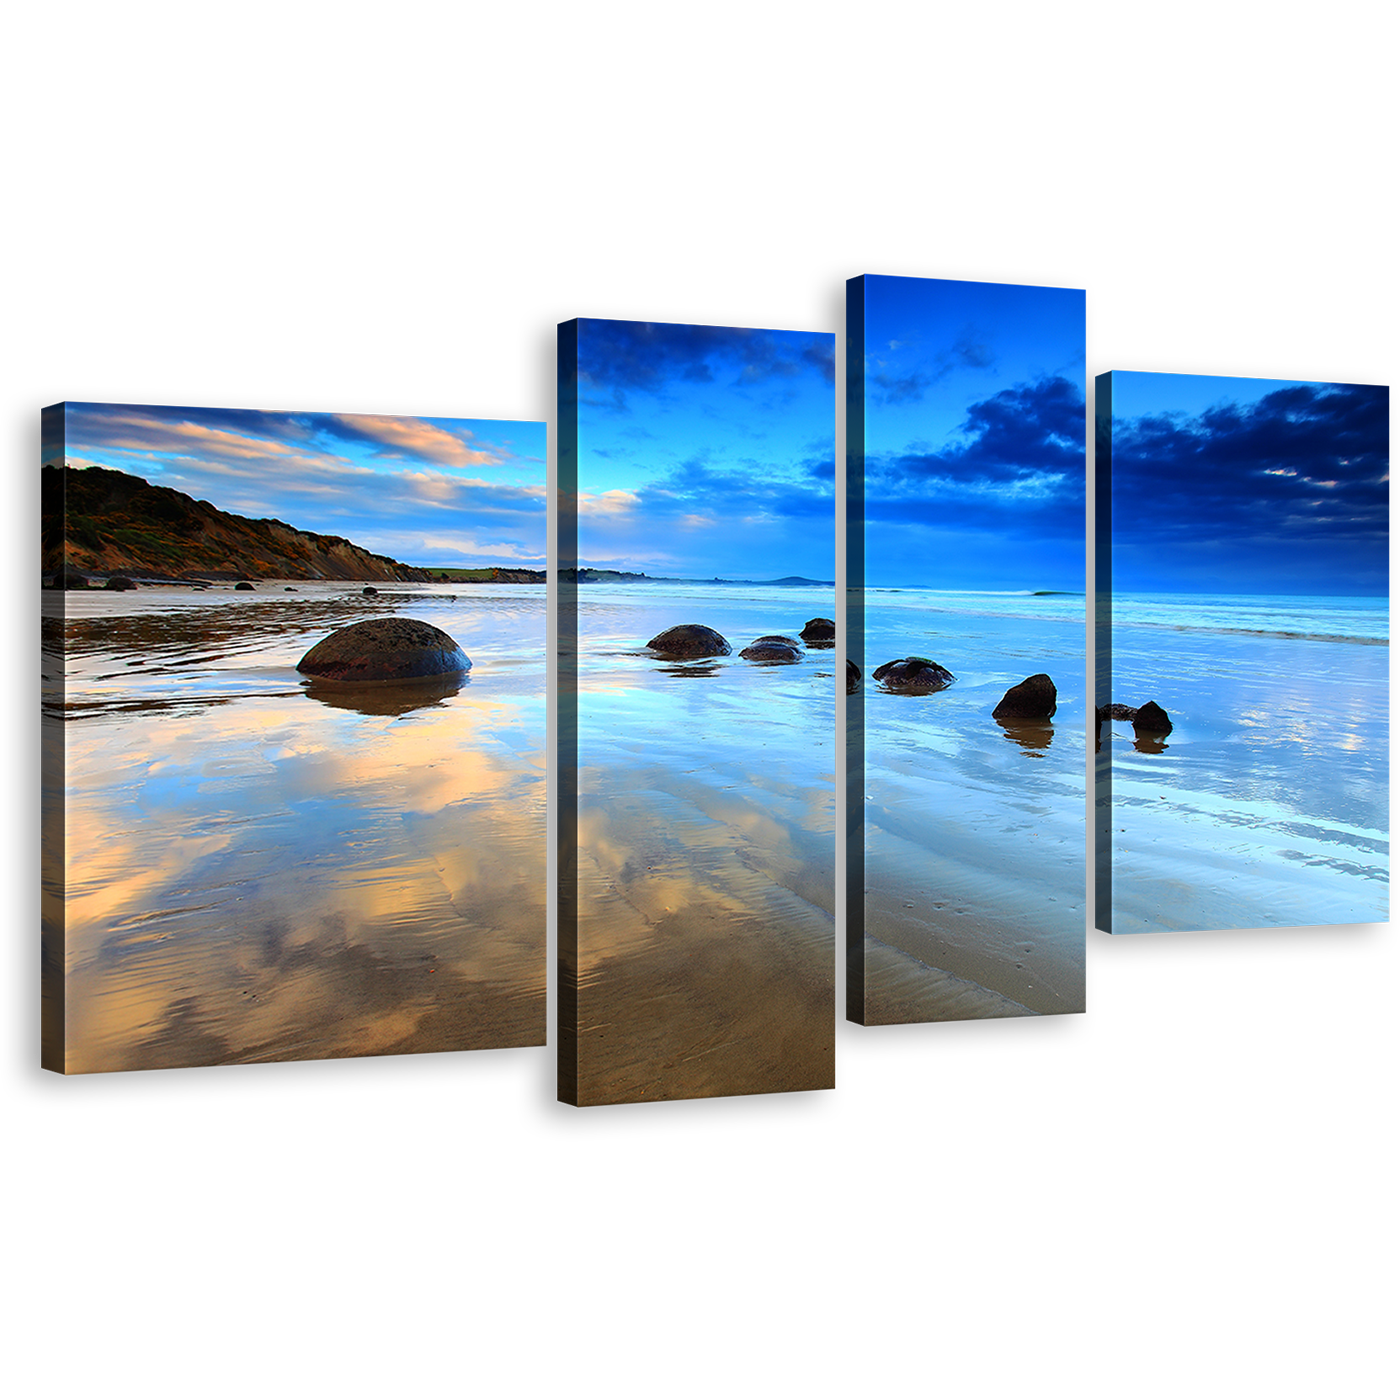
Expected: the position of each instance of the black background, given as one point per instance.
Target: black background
(476, 339)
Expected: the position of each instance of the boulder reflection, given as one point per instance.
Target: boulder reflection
(387, 697)
(1029, 733)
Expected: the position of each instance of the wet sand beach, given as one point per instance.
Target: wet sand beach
(706, 829)
(1268, 804)
(262, 869)
(973, 829)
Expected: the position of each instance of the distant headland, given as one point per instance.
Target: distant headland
(619, 576)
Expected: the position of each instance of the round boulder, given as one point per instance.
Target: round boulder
(852, 677)
(119, 583)
(772, 649)
(371, 592)
(914, 673)
(1034, 698)
(689, 641)
(385, 649)
(819, 629)
(244, 587)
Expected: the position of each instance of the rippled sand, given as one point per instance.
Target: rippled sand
(973, 836)
(257, 869)
(706, 852)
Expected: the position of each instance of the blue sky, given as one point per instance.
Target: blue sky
(706, 451)
(974, 434)
(439, 492)
(1226, 485)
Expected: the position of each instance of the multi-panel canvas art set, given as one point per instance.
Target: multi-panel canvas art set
(295, 752)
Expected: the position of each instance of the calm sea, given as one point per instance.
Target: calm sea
(974, 830)
(1268, 804)
(258, 868)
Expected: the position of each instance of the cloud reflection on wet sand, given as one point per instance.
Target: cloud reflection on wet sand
(274, 878)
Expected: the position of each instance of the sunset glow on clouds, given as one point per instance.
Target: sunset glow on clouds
(431, 492)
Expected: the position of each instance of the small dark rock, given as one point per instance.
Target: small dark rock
(914, 673)
(1116, 712)
(385, 649)
(852, 677)
(779, 637)
(371, 592)
(119, 583)
(244, 587)
(819, 629)
(1151, 718)
(689, 641)
(289, 590)
(1034, 698)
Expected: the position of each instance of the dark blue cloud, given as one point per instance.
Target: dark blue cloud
(1302, 470)
(648, 356)
(1020, 459)
(969, 351)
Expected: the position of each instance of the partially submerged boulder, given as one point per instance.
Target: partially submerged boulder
(244, 587)
(1150, 718)
(852, 677)
(819, 629)
(385, 649)
(370, 592)
(688, 642)
(1033, 698)
(119, 583)
(772, 649)
(913, 673)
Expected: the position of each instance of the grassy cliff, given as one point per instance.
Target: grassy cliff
(106, 522)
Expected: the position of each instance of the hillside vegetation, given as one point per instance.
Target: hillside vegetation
(107, 522)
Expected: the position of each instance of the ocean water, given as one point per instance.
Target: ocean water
(1268, 804)
(261, 868)
(973, 829)
(706, 861)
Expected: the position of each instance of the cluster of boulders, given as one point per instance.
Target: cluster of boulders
(691, 641)
(1032, 698)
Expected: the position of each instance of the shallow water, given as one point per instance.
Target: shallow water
(1268, 804)
(706, 831)
(973, 829)
(262, 868)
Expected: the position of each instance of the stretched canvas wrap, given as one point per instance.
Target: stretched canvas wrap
(696, 711)
(1242, 612)
(294, 787)
(966, 711)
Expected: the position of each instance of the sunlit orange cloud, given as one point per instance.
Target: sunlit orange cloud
(442, 489)
(144, 433)
(470, 546)
(420, 438)
(616, 502)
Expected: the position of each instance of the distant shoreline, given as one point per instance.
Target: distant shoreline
(619, 576)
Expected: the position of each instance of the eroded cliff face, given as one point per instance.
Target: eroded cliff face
(107, 522)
